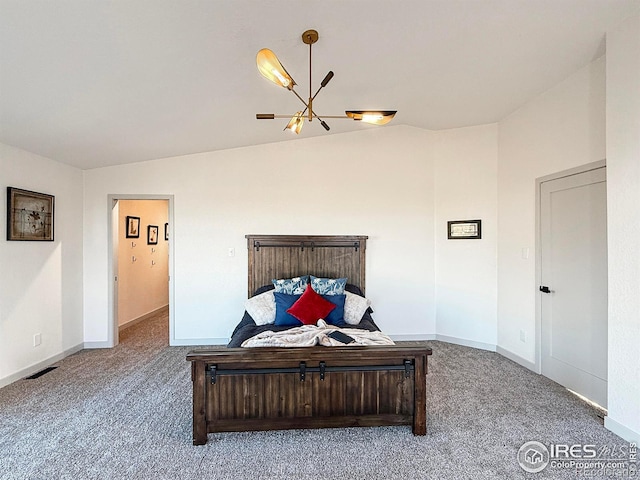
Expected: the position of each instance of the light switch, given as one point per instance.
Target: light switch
(232, 252)
(525, 253)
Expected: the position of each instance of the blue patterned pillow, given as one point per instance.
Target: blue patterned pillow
(283, 303)
(328, 286)
(336, 316)
(291, 286)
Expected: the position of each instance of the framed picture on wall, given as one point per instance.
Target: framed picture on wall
(166, 231)
(152, 235)
(464, 229)
(133, 227)
(29, 215)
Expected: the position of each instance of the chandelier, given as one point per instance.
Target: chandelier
(271, 68)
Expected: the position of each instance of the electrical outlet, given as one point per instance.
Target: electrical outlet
(37, 339)
(523, 336)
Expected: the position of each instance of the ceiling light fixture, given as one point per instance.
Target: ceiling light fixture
(271, 68)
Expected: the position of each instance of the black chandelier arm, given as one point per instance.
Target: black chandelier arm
(323, 84)
(322, 122)
(326, 80)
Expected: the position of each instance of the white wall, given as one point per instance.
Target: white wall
(623, 199)
(466, 162)
(143, 284)
(561, 129)
(40, 282)
(376, 182)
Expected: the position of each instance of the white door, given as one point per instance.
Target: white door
(573, 289)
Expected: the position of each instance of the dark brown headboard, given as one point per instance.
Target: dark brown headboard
(286, 256)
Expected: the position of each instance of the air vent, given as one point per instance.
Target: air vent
(41, 373)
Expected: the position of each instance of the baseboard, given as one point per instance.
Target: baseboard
(142, 318)
(403, 338)
(622, 431)
(197, 342)
(89, 345)
(39, 366)
(182, 342)
(516, 358)
(466, 343)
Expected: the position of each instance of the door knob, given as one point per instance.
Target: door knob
(544, 289)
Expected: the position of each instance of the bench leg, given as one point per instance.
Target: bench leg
(420, 396)
(199, 417)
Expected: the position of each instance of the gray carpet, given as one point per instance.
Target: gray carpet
(125, 413)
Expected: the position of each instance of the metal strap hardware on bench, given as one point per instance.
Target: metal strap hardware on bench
(407, 365)
(407, 368)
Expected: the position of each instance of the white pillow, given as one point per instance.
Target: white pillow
(354, 308)
(262, 308)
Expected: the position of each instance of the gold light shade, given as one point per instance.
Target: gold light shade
(271, 69)
(296, 122)
(375, 117)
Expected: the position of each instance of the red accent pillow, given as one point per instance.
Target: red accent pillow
(310, 307)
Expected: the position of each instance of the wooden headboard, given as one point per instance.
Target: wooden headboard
(287, 256)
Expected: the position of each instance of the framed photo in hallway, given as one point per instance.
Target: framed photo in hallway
(152, 235)
(464, 229)
(166, 231)
(133, 227)
(29, 215)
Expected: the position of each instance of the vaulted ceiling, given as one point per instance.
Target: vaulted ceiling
(103, 82)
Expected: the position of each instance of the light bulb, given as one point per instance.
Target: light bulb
(374, 117)
(271, 69)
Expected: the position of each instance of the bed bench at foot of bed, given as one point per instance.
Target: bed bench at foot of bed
(240, 389)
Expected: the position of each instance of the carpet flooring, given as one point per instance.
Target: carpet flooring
(125, 413)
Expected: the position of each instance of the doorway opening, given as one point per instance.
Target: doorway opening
(141, 252)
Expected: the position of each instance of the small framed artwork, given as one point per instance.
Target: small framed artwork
(152, 235)
(29, 215)
(464, 229)
(133, 227)
(166, 231)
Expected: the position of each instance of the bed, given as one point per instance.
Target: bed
(270, 388)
